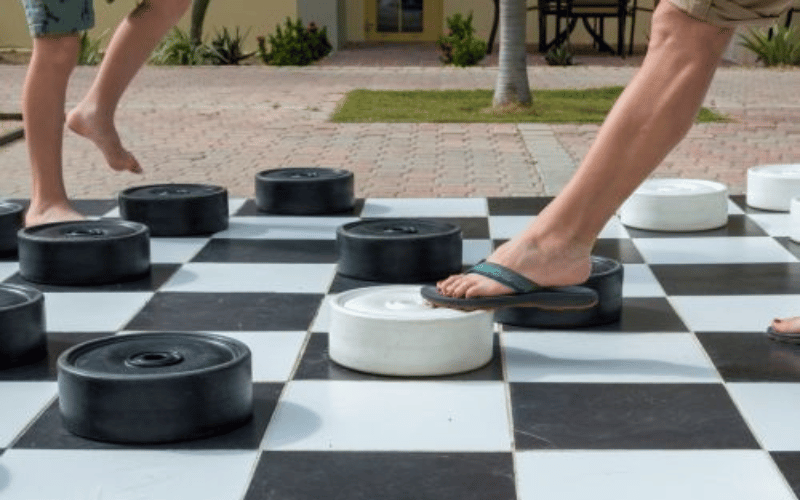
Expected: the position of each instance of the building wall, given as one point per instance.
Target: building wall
(326, 13)
(13, 29)
(354, 19)
(345, 24)
(738, 54)
(483, 12)
(259, 16)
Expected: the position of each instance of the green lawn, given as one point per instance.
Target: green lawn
(441, 106)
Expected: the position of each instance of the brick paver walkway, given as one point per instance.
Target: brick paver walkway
(221, 125)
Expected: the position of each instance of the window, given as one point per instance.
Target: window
(399, 16)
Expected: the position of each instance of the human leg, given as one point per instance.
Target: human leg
(652, 115)
(132, 43)
(53, 25)
(43, 99)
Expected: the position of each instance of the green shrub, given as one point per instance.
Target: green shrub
(560, 56)
(89, 52)
(177, 49)
(295, 44)
(460, 47)
(226, 48)
(783, 49)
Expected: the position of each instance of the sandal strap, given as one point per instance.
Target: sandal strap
(504, 276)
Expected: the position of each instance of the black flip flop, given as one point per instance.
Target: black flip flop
(526, 293)
(789, 338)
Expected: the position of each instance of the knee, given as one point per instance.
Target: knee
(60, 52)
(692, 40)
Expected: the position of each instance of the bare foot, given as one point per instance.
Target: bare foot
(545, 267)
(788, 325)
(104, 135)
(54, 213)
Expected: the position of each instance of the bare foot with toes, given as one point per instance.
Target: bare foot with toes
(104, 135)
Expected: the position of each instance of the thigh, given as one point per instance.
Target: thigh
(731, 13)
(58, 17)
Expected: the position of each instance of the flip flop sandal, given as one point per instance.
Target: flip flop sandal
(789, 338)
(526, 293)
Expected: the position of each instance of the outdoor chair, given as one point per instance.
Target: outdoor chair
(795, 8)
(788, 21)
(571, 11)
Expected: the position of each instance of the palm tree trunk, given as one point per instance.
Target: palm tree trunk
(199, 8)
(512, 85)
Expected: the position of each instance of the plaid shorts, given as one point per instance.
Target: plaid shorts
(732, 13)
(58, 17)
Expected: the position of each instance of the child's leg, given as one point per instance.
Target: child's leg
(43, 97)
(131, 45)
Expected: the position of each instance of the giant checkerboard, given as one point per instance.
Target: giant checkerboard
(684, 398)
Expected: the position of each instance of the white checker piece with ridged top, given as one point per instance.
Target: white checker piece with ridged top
(676, 205)
(772, 187)
(391, 330)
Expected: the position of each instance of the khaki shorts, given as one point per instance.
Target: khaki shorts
(732, 13)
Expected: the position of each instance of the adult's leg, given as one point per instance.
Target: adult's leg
(43, 99)
(651, 116)
(129, 48)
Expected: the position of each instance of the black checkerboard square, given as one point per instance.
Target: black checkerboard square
(388, 476)
(201, 311)
(626, 416)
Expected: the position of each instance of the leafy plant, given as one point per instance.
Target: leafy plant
(460, 47)
(226, 48)
(560, 55)
(89, 52)
(177, 49)
(782, 49)
(294, 44)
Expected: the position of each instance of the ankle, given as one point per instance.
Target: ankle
(87, 118)
(558, 244)
(40, 205)
(84, 110)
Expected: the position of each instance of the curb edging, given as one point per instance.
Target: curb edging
(12, 136)
(15, 134)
